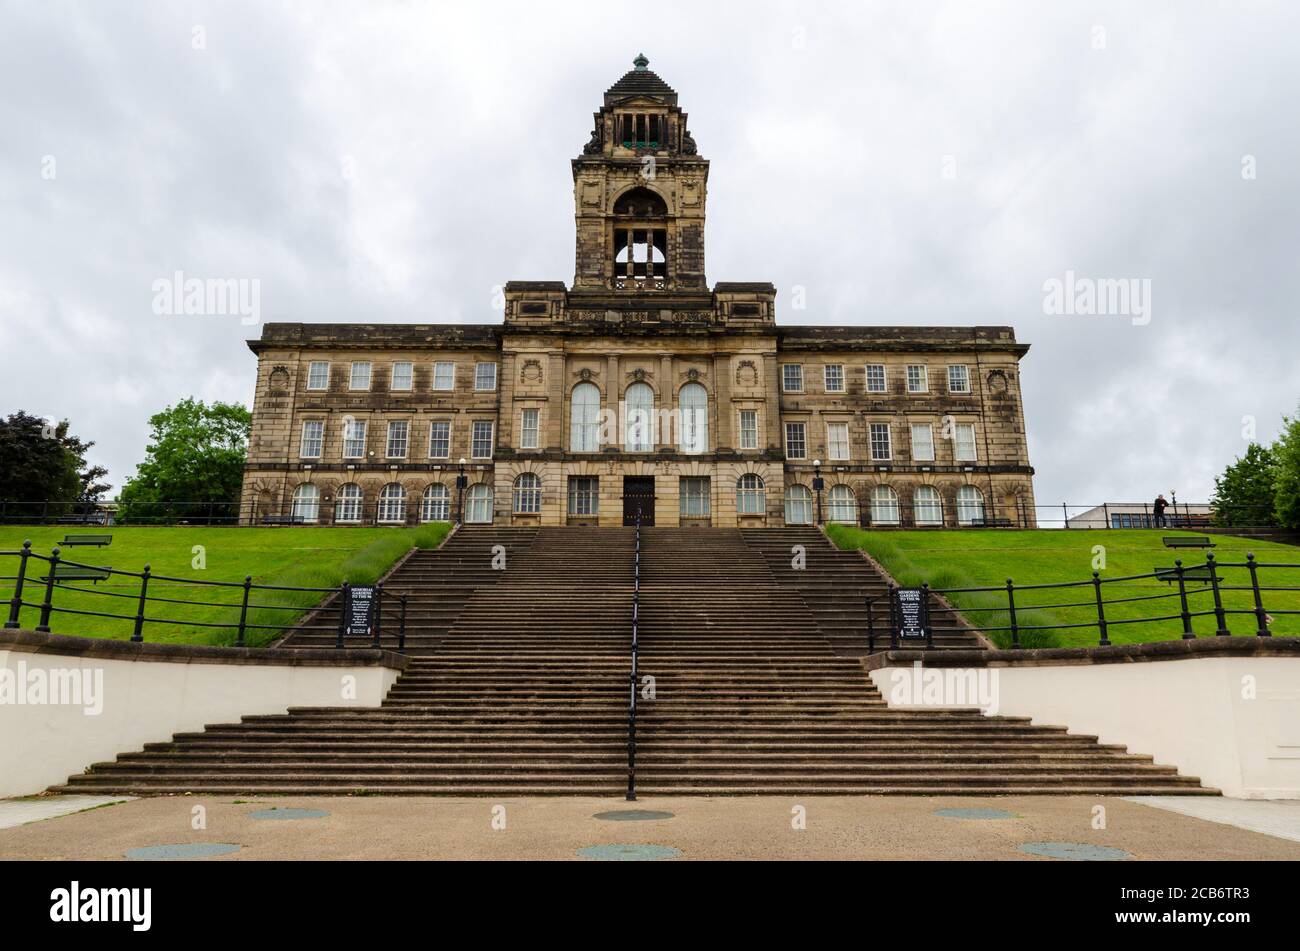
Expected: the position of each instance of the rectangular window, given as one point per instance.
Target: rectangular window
(833, 375)
(360, 378)
(796, 442)
(875, 378)
(485, 376)
(917, 380)
(695, 497)
(584, 495)
(318, 376)
(958, 379)
(749, 429)
(880, 448)
(837, 440)
(398, 433)
(439, 440)
(922, 442)
(528, 429)
(964, 442)
(481, 440)
(402, 375)
(313, 436)
(354, 439)
(792, 377)
(444, 375)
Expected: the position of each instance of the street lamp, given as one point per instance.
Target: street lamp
(818, 485)
(462, 480)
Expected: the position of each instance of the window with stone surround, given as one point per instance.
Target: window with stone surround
(354, 438)
(639, 416)
(444, 375)
(833, 377)
(403, 373)
(584, 418)
(792, 377)
(922, 442)
(798, 505)
(693, 402)
(359, 378)
(439, 439)
(694, 496)
(917, 378)
(392, 503)
(435, 505)
(796, 441)
(881, 449)
(584, 495)
(927, 507)
(875, 378)
(313, 438)
(837, 441)
(485, 376)
(884, 506)
(528, 428)
(964, 442)
(749, 429)
(480, 446)
(398, 439)
(528, 494)
(318, 375)
(958, 379)
(970, 505)
(751, 495)
(306, 502)
(348, 507)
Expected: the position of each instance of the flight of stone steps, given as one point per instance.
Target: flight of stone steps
(836, 584)
(518, 685)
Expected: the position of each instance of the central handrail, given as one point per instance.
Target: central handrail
(632, 676)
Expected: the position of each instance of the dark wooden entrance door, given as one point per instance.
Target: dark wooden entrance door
(638, 493)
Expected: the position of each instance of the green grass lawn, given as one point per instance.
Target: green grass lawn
(977, 558)
(294, 557)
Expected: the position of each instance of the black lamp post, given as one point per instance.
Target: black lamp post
(818, 485)
(462, 481)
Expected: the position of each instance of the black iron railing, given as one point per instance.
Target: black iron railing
(1195, 591)
(632, 674)
(327, 613)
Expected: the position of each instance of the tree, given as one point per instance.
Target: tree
(194, 464)
(1244, 494)
(1286, 478)
(43, 467)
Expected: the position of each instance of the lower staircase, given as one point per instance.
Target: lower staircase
(518, 685)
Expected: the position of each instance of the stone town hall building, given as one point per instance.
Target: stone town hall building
(640, 386)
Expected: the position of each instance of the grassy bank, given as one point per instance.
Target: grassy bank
(975, 558)
(295, 557)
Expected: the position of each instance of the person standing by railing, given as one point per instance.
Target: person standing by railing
(1158, 507)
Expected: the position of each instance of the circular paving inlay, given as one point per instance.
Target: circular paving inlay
(629, 853)
(975, 813)
(288, 814)
(1075, 851)
(186, 850)
(633, 815)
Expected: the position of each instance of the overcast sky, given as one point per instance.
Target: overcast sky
(908, 163)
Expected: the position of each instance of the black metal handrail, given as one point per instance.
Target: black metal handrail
(632, 675)
(333, 600)
(1182, 611)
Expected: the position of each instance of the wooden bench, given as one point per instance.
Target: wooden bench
(1187, 541)
(97, 540)
(282, 520)
(991, 523)
(95, 518)
(78, 573)
(1199, 573)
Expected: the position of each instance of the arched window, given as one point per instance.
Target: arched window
(751, 495)
(306, 502)
(843, 504)
(693, 403)
(528, 494)
(970, 505)
(348, 506)
(639, 415)
(884, 506)
(479, 504)
(436, 504)
(392, 503)
(798, 505)
(584, 418)
(927, 506)
(640, 202)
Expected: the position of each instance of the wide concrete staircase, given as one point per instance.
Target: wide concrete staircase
(836, 585)
(519, 685)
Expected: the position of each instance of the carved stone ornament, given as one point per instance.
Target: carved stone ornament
(280, 377)
(531, 372)
(746, 373)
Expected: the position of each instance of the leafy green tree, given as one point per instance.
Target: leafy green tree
(42, 462)
(1286, 478)
(1244, 494)
(194, 464)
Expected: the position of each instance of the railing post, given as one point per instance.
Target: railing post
(893, 620)
(1188, 633)
(401, 626)
(1011, 610)
(137, 635)
(379, 614)
(1065, 515)
(1220, 616)
(243, 611)
(344, 592)
(44, 625)
(1101, 611)
(871, 628)
(1261, 619)
(1105, 513)
(16, 603)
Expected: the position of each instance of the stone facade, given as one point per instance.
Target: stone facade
(638, 386)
